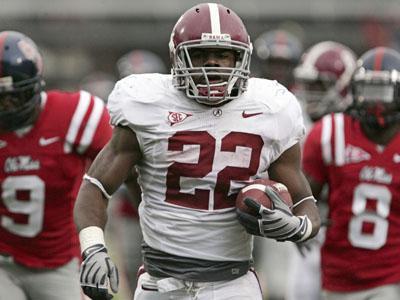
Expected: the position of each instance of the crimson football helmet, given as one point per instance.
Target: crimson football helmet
(323, 78)
(376, 88)
(210, 26)
(279, 52)
(21, 81)
(138, 62)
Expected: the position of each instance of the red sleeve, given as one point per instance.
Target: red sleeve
(313, 164)
(89, 126)
(101, 136)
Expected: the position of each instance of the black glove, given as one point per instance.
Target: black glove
(277, 223)
(97, 272)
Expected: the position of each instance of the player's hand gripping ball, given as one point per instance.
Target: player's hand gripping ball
(256, 191)
(264, 209)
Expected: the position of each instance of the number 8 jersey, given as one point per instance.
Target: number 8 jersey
(362, 243)
(197, 157)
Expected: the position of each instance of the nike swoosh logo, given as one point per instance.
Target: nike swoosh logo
(245, 115)
(45, 142)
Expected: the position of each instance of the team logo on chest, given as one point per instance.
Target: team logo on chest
(355, 154)
(217, 112)
(177, 117)
(20, 163)
(376, 174)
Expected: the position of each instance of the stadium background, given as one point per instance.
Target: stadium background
(82, 37)
(78, 37)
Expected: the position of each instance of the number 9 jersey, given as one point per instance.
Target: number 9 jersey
(196, 158)
(361, 249)
(41, 171)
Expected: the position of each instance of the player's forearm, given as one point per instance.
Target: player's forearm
(90, 207)
(134, 190)
(309, 209)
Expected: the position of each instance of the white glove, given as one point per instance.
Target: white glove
(277, 223)
(97, 272)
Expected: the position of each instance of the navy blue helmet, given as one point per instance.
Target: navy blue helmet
(21, 68)
(376, 87)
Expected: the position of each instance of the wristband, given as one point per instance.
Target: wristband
(90, 236)
(303, 200)
(308, 229)
(98, 184)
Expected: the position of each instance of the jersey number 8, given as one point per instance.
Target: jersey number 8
(377, 239)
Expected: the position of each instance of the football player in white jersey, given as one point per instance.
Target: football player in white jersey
(196, 138)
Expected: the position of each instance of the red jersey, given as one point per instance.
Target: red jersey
(40, 174)
(362, 244)
(126, 209)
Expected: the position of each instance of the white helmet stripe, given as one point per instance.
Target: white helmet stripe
(214, 17)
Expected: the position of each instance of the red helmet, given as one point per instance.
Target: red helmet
(376, 88)
(210, 25)
(323, 77)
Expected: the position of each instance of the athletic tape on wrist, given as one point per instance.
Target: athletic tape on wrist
(97, 183)
(303, 200)
(90, 236)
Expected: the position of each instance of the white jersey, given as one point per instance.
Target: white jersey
(196, 158)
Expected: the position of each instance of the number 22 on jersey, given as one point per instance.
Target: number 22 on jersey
(216, 198)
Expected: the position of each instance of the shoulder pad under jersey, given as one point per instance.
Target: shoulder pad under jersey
(136, 99)
(270, 93)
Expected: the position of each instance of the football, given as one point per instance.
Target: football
(255, 190)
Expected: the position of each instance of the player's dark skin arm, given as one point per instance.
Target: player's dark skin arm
(111, 167)
(287, 170)
(316, 187)
(133, 188)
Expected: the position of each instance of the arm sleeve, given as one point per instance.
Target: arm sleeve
(116, 103)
